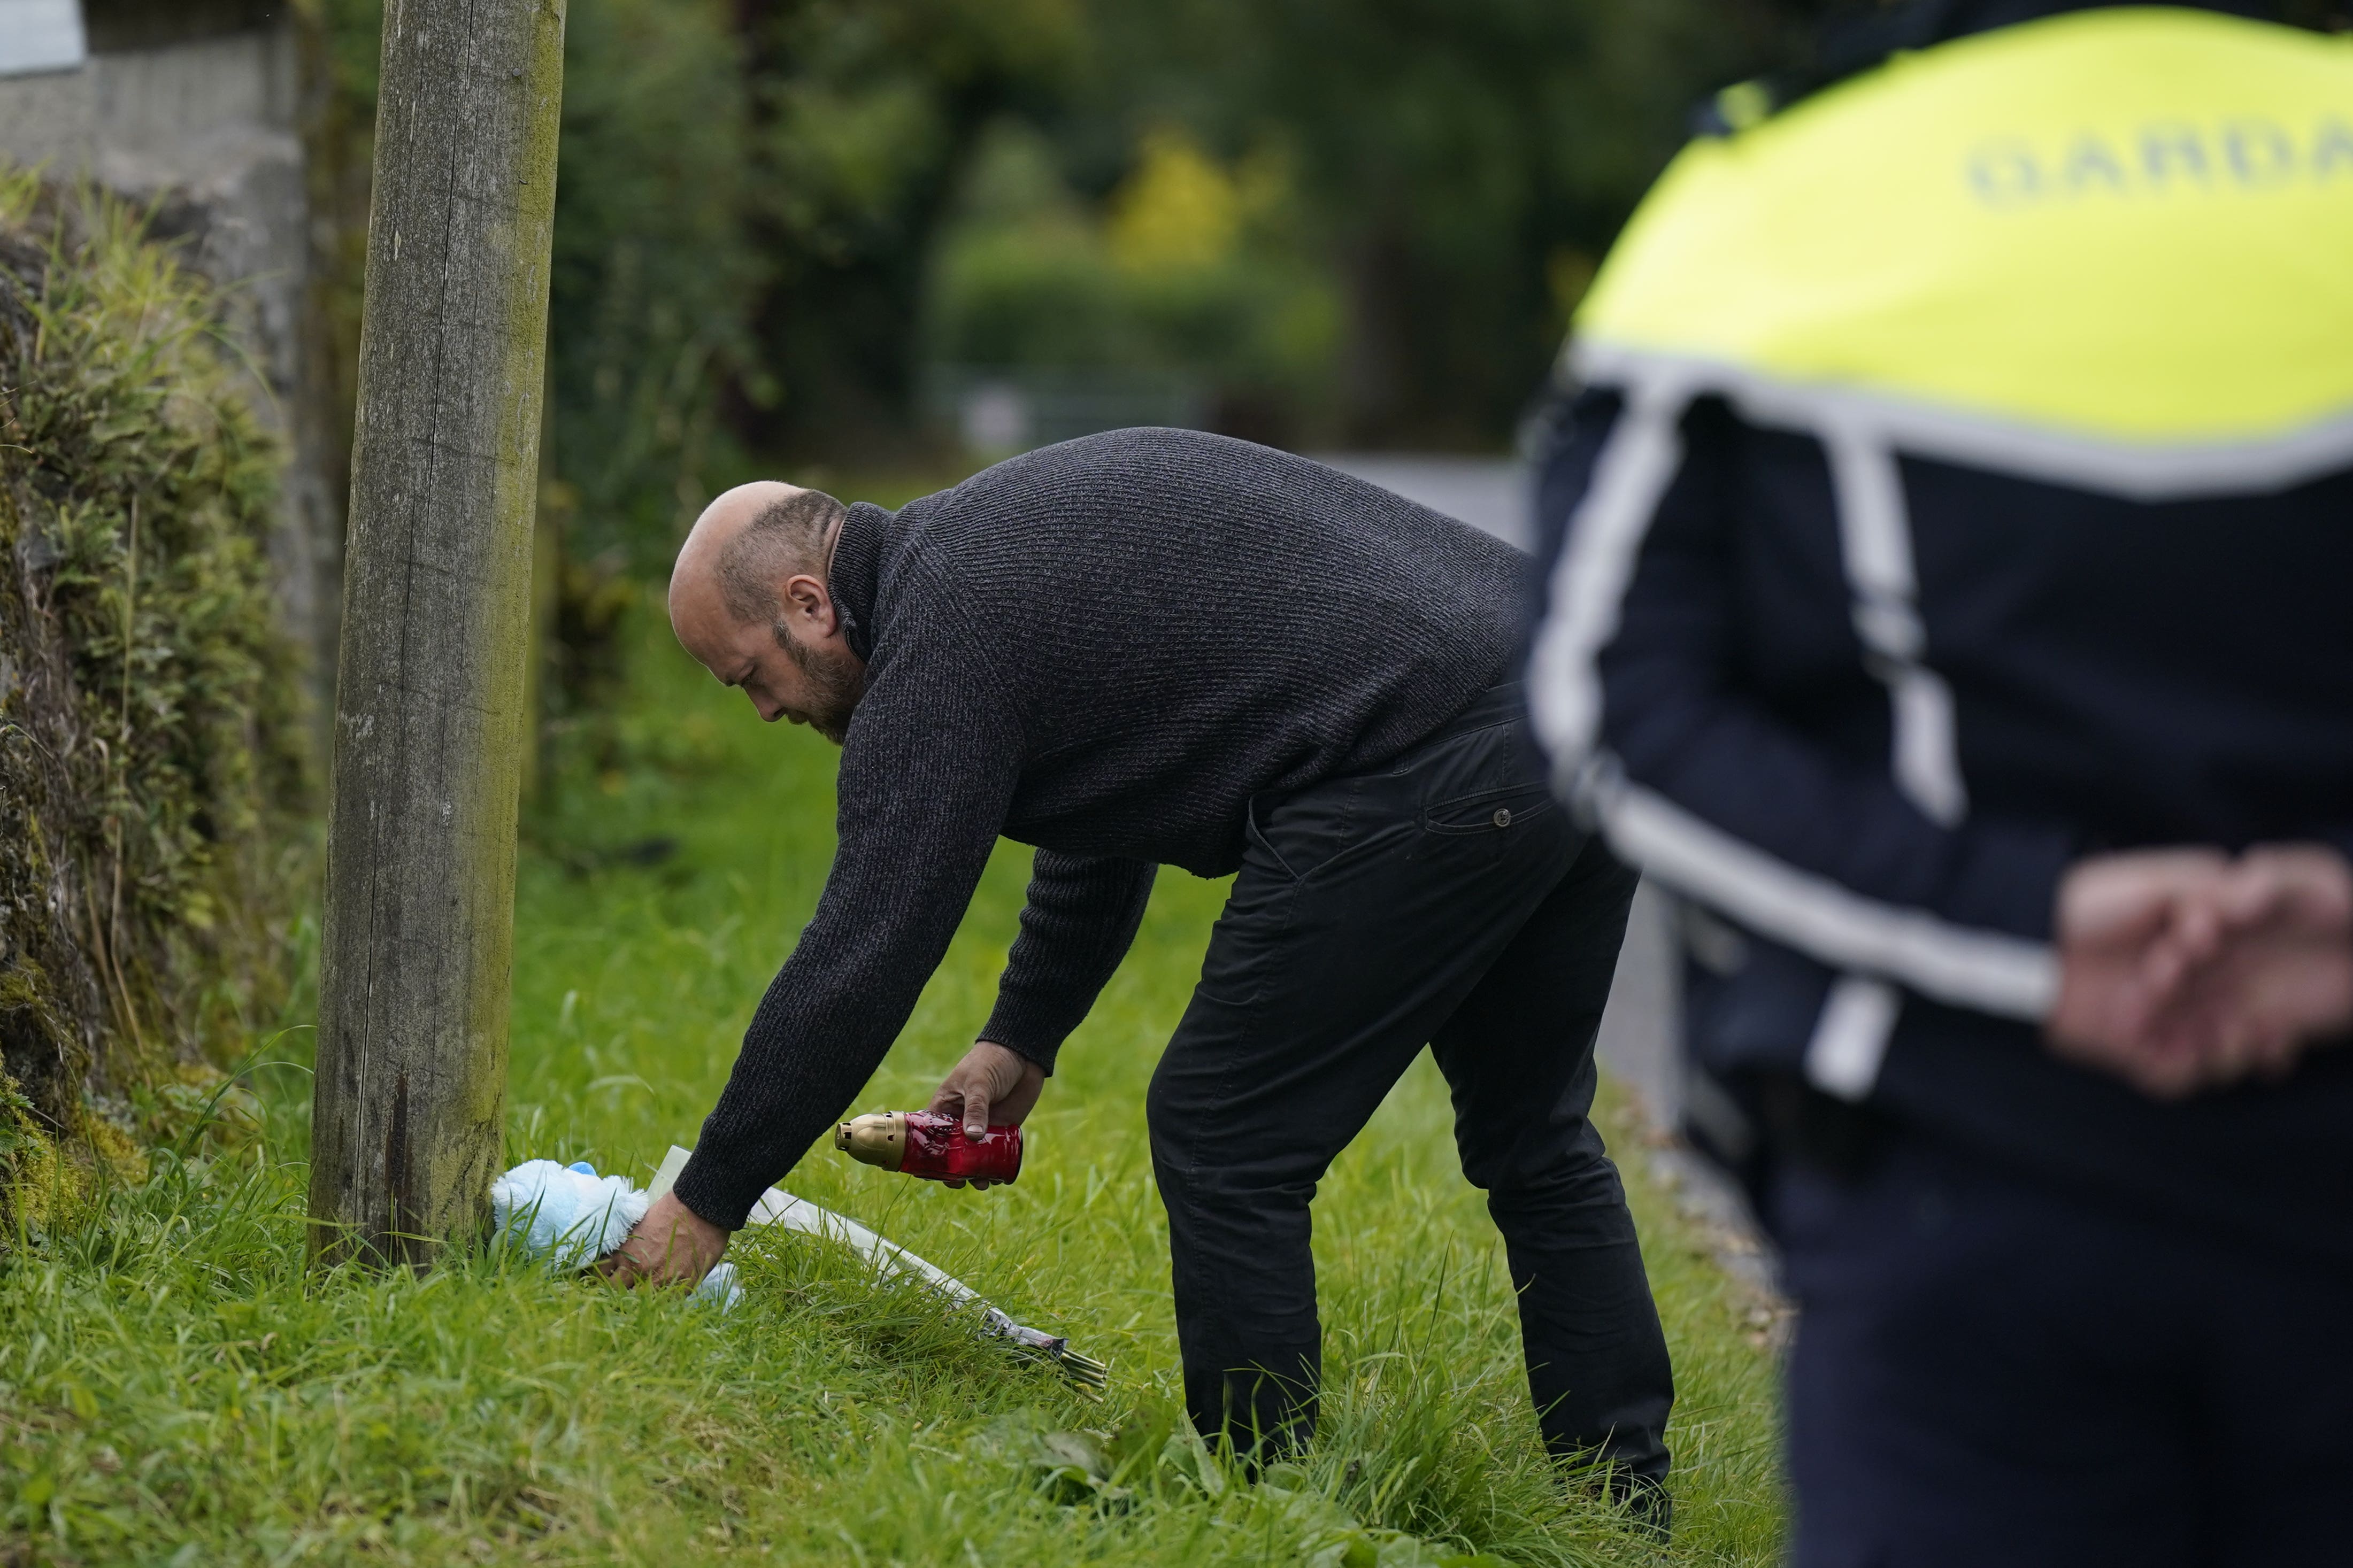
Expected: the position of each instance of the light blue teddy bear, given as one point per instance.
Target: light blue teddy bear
(569, 1217)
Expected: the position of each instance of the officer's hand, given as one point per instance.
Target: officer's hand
(672, 1245)
(2283, 979)
(2130, 929)
(2183, 969)
(992, 1085)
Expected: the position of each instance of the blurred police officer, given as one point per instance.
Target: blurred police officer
(1954, 502)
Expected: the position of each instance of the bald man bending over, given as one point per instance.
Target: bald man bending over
(1157, 647)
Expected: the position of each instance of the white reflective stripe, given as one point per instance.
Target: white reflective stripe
(2151, 470)
(1851, 1036)
(1875, 541)
(1927, 761)
(1596, 563)
(1988, 971)
(1874, 531)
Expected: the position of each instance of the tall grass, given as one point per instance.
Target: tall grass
(175, 1387)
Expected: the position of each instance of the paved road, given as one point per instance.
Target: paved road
(1492, 493)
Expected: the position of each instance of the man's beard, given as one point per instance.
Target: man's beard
(835, 681)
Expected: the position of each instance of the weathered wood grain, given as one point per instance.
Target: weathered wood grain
(429, 717)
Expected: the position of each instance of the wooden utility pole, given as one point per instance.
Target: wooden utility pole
(429, 722)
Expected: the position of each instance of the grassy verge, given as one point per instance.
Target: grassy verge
(175, 1389)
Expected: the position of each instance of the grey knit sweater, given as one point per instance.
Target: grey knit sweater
(1104, 649)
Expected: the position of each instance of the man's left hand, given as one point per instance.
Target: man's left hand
(672, 1245)
(992, 1085)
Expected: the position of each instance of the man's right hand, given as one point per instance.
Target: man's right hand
(672, 1245)
(2182, 969)
(992, 1085)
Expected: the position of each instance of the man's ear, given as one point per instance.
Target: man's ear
(807, 599)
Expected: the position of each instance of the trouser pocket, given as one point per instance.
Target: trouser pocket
(1493, 810)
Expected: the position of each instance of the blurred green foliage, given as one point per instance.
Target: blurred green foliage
(865, 115)
(1415, 193)
(1458, 165)
(1187, 268)
(655, 275)
(1356, 221)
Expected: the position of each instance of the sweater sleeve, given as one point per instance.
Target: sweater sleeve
(1641, 695)
(927, 774)
(1082, 915)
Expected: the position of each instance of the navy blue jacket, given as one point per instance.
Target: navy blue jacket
(1865, 621)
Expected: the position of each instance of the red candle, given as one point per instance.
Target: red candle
(934, 1147)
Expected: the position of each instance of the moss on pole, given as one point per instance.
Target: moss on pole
(429, 717)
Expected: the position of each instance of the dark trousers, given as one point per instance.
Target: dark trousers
(1445, 900)
(1991, 1370)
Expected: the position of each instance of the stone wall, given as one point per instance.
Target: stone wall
(194, 107)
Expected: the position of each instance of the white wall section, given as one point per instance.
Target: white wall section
(41, 36)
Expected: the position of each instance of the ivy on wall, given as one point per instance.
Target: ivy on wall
(153, 765)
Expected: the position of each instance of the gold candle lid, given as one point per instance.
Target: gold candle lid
(878, 1138)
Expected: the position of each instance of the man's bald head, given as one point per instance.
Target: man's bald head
(751, 540)
(750, 599)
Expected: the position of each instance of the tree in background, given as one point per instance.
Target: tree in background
(1356, 221)
(866, 115)
(1457, 167)
(1184, 285)
(655, 274)
(1449, 171)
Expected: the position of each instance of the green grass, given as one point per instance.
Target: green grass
(173, 1388)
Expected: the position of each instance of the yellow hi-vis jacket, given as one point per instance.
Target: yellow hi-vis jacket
(1961, 481)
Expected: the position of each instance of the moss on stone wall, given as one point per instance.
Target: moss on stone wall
(152, 776)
